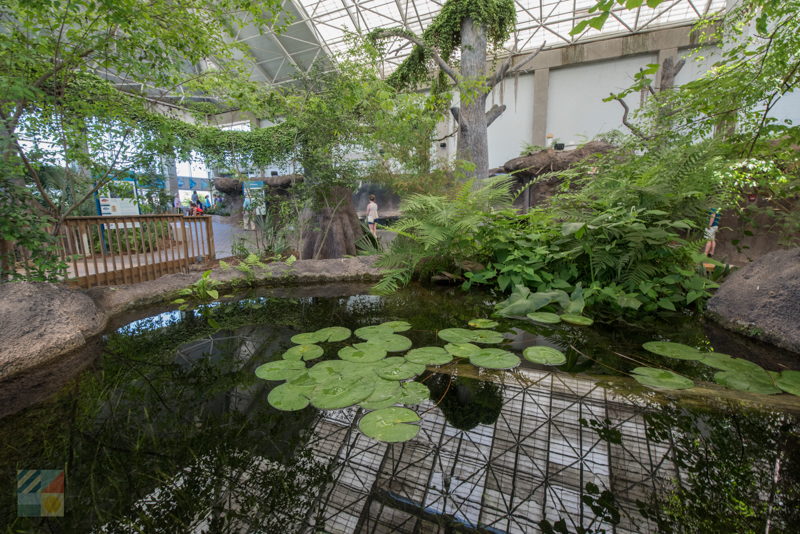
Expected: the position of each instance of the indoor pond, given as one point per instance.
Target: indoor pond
(168, 428)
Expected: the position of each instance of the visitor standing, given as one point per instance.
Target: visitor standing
(176, 203)
(208, 203)
(195, 198)
(372, 215)
(711, 231)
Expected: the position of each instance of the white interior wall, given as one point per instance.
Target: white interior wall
(514, 128)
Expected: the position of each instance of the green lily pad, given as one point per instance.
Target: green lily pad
(391, 342)
(368, 332)
(429, 356)
(397, 368)
(364, 353)
(303, 383)
(287, 398)
(578, 320)
(280, 370)
(462, 335)
(340, 393)
(414, 393)
(723, 362)
(331, 369)
(544, 355)
(333, 333)
(495, 359)
(387, 392)
(390, 424)
(544, 317)
(396, 326)
(679, 351)
(482, 323)
(660, 378)
(306, 338)
(462, 350)
(751, 381)
(303, 352)
(789, 381)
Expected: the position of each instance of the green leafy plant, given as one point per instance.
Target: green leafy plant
(203, 290)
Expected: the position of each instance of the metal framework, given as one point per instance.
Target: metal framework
(533, 463)
(320, 29)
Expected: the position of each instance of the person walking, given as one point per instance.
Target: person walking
(176, 203)
(711, 231)
(195, 198)
(208, 203)
(372, 215)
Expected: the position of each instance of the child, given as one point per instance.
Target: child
(711, 231)
(372, 215)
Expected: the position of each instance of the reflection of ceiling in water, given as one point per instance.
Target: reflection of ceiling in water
(533, 463)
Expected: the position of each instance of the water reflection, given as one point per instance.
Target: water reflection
(171, 432)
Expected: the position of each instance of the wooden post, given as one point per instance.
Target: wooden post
(82, 245)
(210, 229)
(185, 244)
(102, 251)
(94, 256)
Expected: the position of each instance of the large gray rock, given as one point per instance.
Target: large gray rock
(762, 299)
(41, 321)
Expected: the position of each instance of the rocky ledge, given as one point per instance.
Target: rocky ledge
(41, 321)
(762, 300)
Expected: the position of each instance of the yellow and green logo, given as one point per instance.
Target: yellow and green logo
(40, 493)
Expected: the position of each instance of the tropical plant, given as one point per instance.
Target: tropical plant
(202, 290)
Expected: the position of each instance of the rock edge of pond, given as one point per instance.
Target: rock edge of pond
(40, 321)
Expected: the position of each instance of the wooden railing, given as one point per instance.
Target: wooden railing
(129, 249)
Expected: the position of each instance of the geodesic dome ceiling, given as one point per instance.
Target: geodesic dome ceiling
(318, 30)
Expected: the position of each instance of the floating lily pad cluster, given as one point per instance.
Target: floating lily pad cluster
(735, 373)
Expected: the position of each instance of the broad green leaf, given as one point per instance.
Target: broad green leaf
(331, 369)
(462, 350)
(391, 342)
(482, 323)
(280, 370)
(789, 381)
(579, 27)
(462, 335)
(213, 293)
(397, 368)
(751, 381)
(306, 338)
(287, 398)
(368, 332)
(544, 355)
(495, 359)
(660, 378)
(333, 333)
(414, 393)
(579, 320)
(386, 393)
(390, 424)
(303, 383)
(340, 393)
(679, 351)
(597, 22)
(570, 228)
(364, 352)
(396, 326)
(303, 352)
(666, 304)
(723, 362)
(544, 317)
(429, 356)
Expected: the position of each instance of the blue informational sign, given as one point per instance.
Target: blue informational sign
(180, 183)
(192, 184)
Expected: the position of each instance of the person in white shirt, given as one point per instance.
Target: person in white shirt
(372, 215)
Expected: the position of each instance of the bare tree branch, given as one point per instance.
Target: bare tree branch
(408, 36)
(635, 130)
(505, 69)
(493, 113)
(456, 112)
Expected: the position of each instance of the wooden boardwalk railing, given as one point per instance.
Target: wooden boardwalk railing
(128, 249)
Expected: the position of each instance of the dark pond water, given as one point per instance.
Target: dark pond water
(168, 430)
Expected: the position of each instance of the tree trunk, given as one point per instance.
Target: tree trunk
(334, 228)
(473, 143)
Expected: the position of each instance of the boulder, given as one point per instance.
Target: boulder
(762, 300)
(40, 321)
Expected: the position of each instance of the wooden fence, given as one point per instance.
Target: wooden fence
(124, 250)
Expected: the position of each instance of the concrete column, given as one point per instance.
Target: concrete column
(171, 175)
(541, 95)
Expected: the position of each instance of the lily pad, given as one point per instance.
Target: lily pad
(390, 424)
(306, 338)
(387, 392)
(462, 335)
(287, 398)
(333, 333)
(544, 355)
(414, 393)
(368, 332)
(660, 378)
(579, 320)
(544, 317)
(331, 369)
(396, 326)
(340, 393)
(391, 342)
(789, 381)
(679, 351)
(303, 383)
(751, 381)
(429, 356)
(397, 368)
(303, 352)
(280, 370)
(723, 362)
(364, 353)
(462, 350)
(495, 359)
(482, 323)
